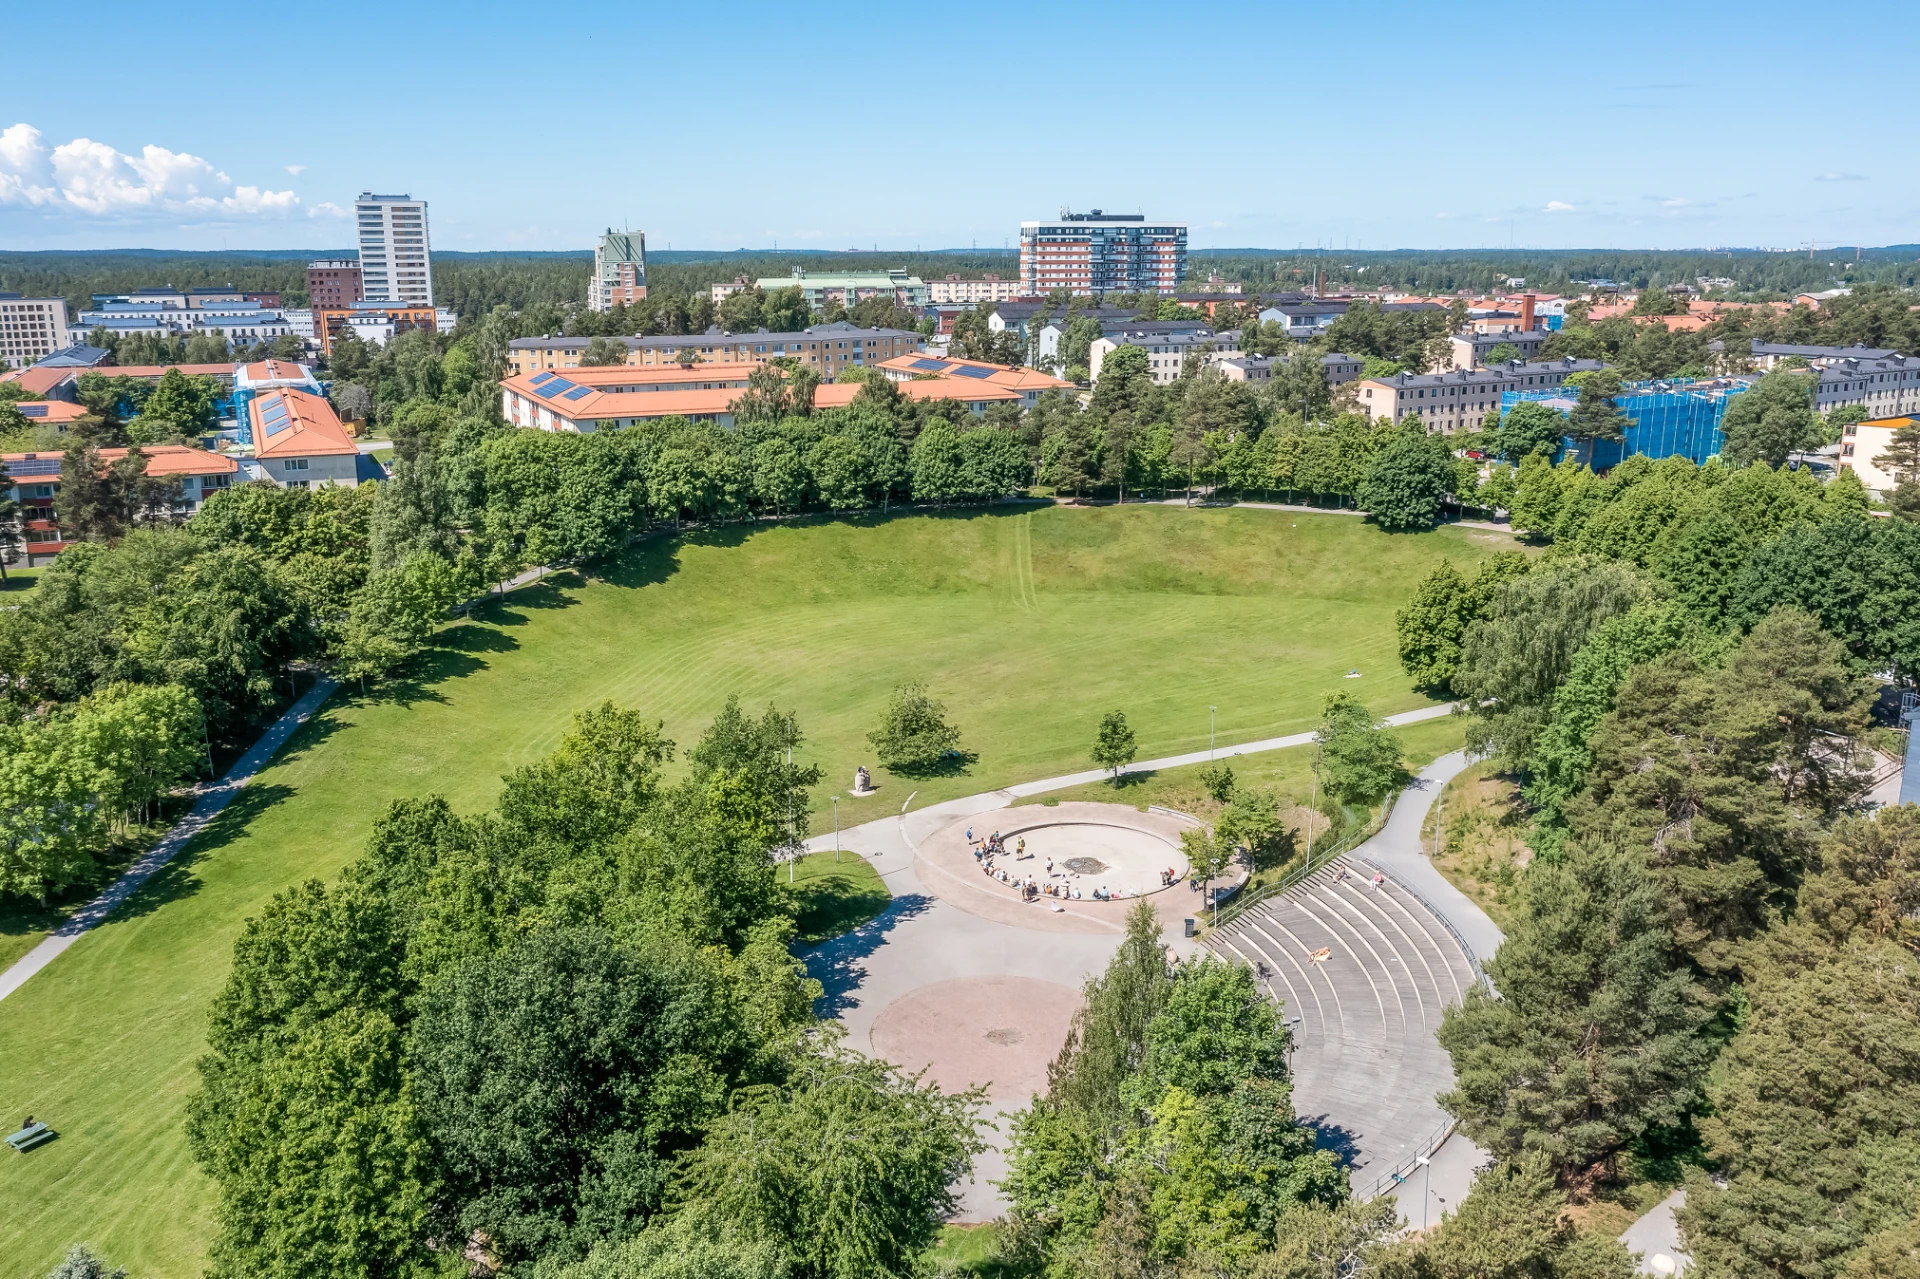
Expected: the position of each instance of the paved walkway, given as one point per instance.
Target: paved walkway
(1656, 1237)
(924, 939)
(212, 799)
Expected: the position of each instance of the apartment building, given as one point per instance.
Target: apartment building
(35, 480)
(826, 348)
(242, 322)
(1470, 350)
(333, 283)
(1861, 443)
(1884, 386)
(298, 442)
(619, 270)
(375, 323)
(1168, 349)
(31, 328)
(612, 398)
(1051, 338)
(1096, 253)
(1339, 368)
(1458, 399)
(845, 288)
(988, 288)
(1304, 320)
(396, 255)
(1028, 384)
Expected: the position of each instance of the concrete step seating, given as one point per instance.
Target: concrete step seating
(1366, 1066)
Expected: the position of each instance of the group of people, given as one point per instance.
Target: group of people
(1029, 888)
(1169, 877)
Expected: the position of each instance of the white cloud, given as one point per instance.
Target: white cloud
(326, 209)
(1557, 206)
(1841, 177)
(88, 177)
(296, 169)
(1677, 202)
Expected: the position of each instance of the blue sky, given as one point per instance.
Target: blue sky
(728, 125)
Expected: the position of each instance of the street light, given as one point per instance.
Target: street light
(1210, 711)
(836, 830)
(1426, 1184)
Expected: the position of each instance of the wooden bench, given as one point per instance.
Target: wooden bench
(29, 1137)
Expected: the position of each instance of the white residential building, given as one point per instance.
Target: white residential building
(31, 328)
(395, 256)
(989, 287)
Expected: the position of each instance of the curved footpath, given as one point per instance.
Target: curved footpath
(1008, 973)
(211, 800)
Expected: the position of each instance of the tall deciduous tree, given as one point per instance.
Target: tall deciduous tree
(1363, 759)
(1772, 420)
(1407, 480)
(1113, 744)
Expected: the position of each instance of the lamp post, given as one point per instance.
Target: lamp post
(836, 830)
(1210, 711)
(1426, 1184)
(1313, 803)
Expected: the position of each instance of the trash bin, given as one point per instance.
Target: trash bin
(1190, 926)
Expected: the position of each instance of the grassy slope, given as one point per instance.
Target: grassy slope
(1029, 626)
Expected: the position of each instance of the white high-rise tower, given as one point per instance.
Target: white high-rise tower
(395, 266)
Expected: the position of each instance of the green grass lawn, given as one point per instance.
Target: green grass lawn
(835, 893)
(1028, 625)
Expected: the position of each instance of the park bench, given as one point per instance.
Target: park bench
(29, 1137)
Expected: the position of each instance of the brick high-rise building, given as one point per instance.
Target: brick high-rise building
(332, 283)
(1094, 253)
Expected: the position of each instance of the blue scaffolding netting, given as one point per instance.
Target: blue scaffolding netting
(1670, 416)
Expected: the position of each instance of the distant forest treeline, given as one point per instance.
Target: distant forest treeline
(473, 283)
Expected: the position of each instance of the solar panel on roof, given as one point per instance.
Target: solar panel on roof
(538, 378)
(558, 386)
(577, 392)
(32, 410)
(929, 366)
(274, 427)
(968, 370)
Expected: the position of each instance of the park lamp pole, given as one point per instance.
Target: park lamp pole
(1426, 1184)
(836, 830)
(1313, 803)
(1210, 711)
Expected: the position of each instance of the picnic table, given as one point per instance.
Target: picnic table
(30, 1136)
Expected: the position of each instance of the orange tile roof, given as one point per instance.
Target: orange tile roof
(39, 381)
(51, 411)
(1013, 377)
(310, 429)
(162, 459)
(178, 459)
(638, 374)
(263, 371)
(956, 388)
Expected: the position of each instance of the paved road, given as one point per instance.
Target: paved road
(212, 799)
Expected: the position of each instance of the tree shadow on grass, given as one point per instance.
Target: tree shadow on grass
(180, 878)
(831, 905)
(840, 965)
(320, 726)
(1131, 778)
(954, 764)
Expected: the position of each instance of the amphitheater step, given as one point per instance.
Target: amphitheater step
(1362, 972)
